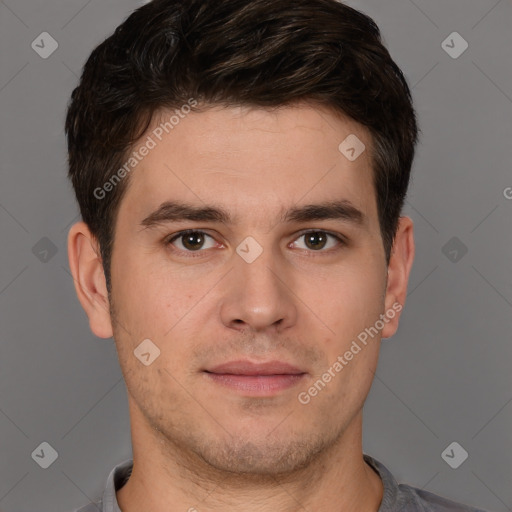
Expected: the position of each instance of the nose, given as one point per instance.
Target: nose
(259, 295)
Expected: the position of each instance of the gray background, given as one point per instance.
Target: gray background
(444, 377)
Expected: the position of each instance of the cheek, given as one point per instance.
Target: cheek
(152, 298)
(347, 301)
(164, 307)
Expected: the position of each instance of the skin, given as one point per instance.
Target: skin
(198, 445)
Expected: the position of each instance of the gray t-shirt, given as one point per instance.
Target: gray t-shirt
(396, 497)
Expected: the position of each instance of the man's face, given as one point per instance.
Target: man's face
(254, 288)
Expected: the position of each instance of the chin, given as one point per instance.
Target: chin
(264, 457)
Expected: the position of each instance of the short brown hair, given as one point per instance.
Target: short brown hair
(263, 53)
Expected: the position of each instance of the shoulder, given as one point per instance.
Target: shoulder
(425, 501)
(404, 498)
(92, 507)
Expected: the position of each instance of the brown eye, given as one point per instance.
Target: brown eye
(315, 240)
(191, 241)
(319, 241)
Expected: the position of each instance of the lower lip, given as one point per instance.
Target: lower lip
(256, 385)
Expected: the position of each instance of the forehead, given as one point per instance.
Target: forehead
(252, 160)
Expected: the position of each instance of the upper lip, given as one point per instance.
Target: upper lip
(244, 367)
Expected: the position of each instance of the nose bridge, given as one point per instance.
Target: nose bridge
(257, 295)
(259, 269)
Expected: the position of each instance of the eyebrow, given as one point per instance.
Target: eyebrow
(175, 211)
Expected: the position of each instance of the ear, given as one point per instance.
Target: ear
(399, 268)
(89, 278)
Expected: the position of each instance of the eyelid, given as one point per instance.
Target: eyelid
(174, 236)
(334, 234)
(341, 239)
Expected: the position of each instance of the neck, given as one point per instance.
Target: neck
(336, 480)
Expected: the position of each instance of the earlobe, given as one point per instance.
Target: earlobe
(89, 278)
(399, 268)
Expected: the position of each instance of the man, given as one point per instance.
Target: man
(240, 167)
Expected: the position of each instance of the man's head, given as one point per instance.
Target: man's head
(260, 53)
(281, 135)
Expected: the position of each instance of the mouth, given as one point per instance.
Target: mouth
(256, 379)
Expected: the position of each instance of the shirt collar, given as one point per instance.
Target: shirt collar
(390, 485)
(117, 478)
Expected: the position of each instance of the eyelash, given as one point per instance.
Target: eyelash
(169, 240)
